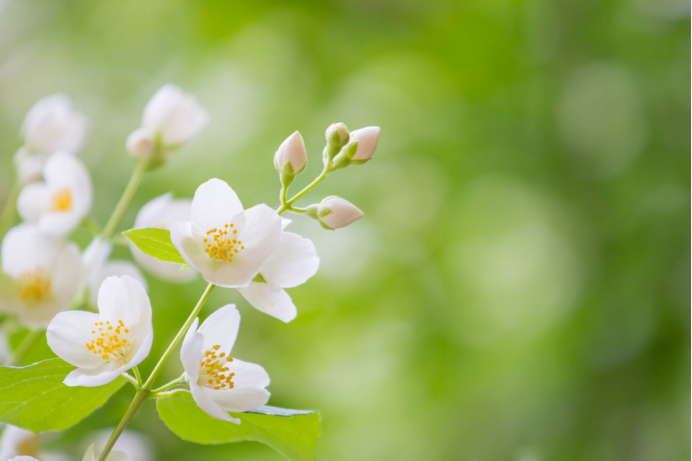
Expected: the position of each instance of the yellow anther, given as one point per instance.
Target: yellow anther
(33, 286)
(61, 201)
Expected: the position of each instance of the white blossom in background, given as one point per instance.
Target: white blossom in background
(161, 213)
(100, 268)
(20, 444)
(367, 139)
(334, 212)
(115, 455)
(40, 275)
(225, 243)
(173, 117)
(291, 157)
(220, 383)
(59, 203)
(106, 344)
(291, 264)
(51, 125)
(131, 442)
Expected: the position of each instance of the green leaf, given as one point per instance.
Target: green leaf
(293, 433)
(35, 398)
(155, 242)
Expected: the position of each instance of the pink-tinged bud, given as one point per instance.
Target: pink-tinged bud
(291, 158)
(367, 139)
(334, 213)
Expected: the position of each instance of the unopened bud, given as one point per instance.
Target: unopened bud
(291, 158)
(337, 134)
(334, 212)
(367, 139)
(141, 144)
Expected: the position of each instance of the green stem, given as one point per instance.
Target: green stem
(132, 380)
(137, 376)
(23, 348)
(125, 200)
(9, 211)
(286, 205)
(167, 386)
(145, 391)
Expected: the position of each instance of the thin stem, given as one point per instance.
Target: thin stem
(140, 397)
(125, 200)
(10, 209)
(145, 390)
(287, 205)
(138, 376)
(23, 348)
(167, 386)
(132, 380)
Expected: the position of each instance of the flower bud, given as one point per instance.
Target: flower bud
(141, 143)
(334, 212)
(337, 134)
(367, 139)
(174, 115)
(291, 157)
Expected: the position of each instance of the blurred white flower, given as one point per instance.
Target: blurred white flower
(29, 166)
(40, 275)
(140, 143)
(60, 203)
(21, 445)
(291, 158)
(53, 125)
(131, 442)
(115, 455)
(334, 212)
(161, 213)
(106, 344)
(175, 116)
(218, 382)
(291, 264)
(224, 243)
(99, 268)
(367, 139)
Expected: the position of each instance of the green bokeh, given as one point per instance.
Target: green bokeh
(519, 286)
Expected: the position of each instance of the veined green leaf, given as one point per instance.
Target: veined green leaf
(155, 242)
(35, 398)
(293, 433)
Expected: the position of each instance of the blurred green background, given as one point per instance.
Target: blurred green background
(519, 287)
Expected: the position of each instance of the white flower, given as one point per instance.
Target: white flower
(115, 455)
(175, 116)
(99, 268)
(291, 157)
(218, 382)
(131, 442)
(29, 166)
(53, 125)
(291, 264)
(106, 344)
(41, 274)
(60, 203)
(140, 143)
(335, 212)
(21, 445)
(224, 243)
(161, 213)
(367, 142)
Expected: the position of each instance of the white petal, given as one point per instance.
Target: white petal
(39, 315)
(152, 210)
(293, 261)
(221, 328)
(92, 378)
(208, 405)
(270, 299)
(160, 106)
(249, 391)
(248, 375)
(191, 351)
(68, 334)
(33, 202)
(142, 349)
(66, 272)
(214, 205)
(13, 438)
(124, 298)
(25, 248)
(114, 268)
(190, 248)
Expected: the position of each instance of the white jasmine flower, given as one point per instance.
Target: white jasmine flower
(291, 264)
(334, 212)
(224, 243)
(291, 157)
(53, 125)
(131, 442)
(96, 259)
(220, 383)
(175, 116)
(60, 203)
(41, 274)
(161, 213)
(367, 142)
(106, 344)
(21, 445)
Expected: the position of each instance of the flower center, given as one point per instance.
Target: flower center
(61, 201)
(33, 286)
(28, 446)
(221, 244)
(109, 341)
(212, 370)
